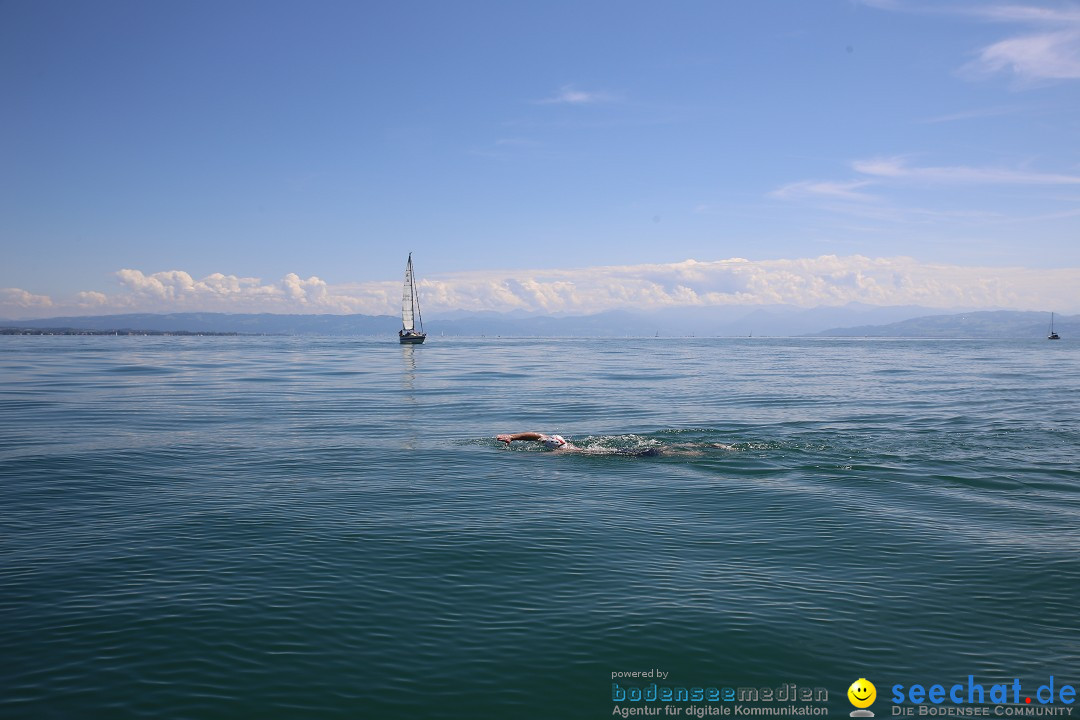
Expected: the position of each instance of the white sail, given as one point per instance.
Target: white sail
(410, 310)
(407, 306)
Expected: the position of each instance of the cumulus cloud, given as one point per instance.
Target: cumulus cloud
(177, 290)
(18, 298)
(807, 282)
(91, 299)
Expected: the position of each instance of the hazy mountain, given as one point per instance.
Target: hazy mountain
(990, 324)
(715, 321)
(263, 323)
(774, 320)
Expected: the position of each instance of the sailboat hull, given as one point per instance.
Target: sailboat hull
(411, 338)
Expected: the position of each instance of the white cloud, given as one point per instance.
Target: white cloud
(569, 95)
(176, 290)
(21, 299)
(809, 282)
(806, 282)
(91, 299)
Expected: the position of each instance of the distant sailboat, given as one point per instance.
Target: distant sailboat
(1053, 335)
(410, 311)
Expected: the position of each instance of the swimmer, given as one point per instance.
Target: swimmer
(558, 442)
(552, 442)
(593, 447)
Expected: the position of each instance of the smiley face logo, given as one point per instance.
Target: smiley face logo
(862, 694)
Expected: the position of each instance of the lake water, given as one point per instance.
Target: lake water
(279, 527)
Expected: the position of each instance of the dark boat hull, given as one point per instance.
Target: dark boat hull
(411, 338)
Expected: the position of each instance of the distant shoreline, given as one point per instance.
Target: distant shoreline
(78, 331)
(779, 321)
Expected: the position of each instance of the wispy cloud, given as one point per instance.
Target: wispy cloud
(1031, 58)
(881, 172)
(971, 115)
(880, 4)
(515, 142)
(826, 189)
(1048, 51)
(870, 194)
(1064, 13)
(806, 282)
(897, 168)
(569, 95)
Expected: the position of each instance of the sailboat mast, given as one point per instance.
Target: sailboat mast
(407, 298)
(416, 298)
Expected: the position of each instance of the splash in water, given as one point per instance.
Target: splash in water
(630, 445)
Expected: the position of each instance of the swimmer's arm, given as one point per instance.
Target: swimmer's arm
(519, 436)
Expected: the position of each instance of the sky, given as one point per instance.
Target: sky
(563, 157)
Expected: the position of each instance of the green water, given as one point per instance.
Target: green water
(326, 528)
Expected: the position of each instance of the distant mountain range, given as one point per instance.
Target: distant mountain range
(990, 324)
(775, 321)
(254, 324)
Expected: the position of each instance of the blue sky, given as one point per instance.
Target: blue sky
(548, 156)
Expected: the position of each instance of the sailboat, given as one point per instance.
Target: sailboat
(1053, 335)
(410, 311)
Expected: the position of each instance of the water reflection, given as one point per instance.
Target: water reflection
(410, 415)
